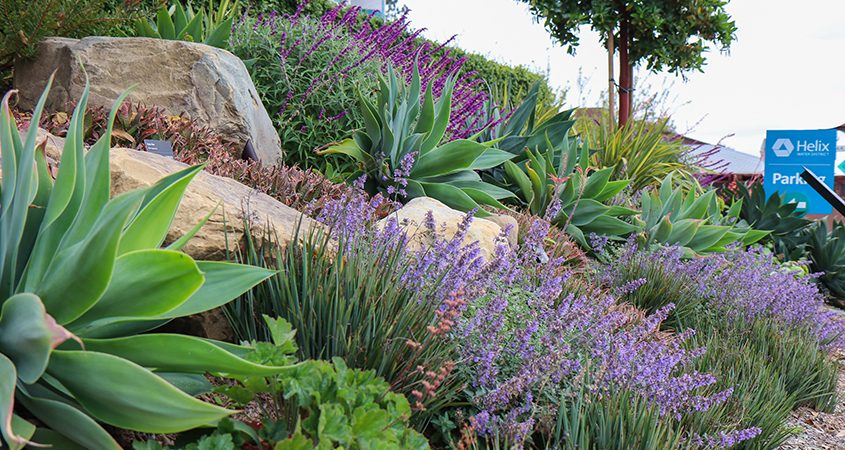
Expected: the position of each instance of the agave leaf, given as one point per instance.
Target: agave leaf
(451, 196)
(69, 422)
(586, 210)
(491, 190)
(19, 191)
(491, 157)
(159, 281)
(707, 236)
(483, 198)
(164, 24)
(448, 158)
(596, 183)
(148, 404)
(519, 119)
(698, 208)
(219, 37)
(663, 230)
(223, 282)
(612, 189)
(441, 119)
(193, 29)
(144, 29)
(26, 336)
(372, 123)
(189, 383)
(86, 268)
(8, 378)
(683, 231)
(150, 225)
(346, 147)
(522, 181)
(180, 19)
(64, 202)
(97, 185)
(426, 120)
(179, 353)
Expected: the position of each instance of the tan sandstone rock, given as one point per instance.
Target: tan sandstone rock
(413, 214)
(210, 85)
(131, 169)
(505, 221)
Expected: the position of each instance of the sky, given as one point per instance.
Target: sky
(785, 70)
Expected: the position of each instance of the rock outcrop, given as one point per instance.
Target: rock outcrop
(413, 216)
(131, 169)
(207, 84)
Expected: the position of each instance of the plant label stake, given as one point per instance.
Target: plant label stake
(163, 148)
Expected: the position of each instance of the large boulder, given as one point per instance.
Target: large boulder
(131, 169)
(210, 85)
(413, 217)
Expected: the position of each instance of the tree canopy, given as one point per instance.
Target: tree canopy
(663, 34)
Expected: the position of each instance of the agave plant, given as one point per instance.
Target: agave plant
(826, 251)
(527, 125)
(80, 275)
(783, 219)
(561, 175)
(401, 154)
(176, 23)
(674, 217)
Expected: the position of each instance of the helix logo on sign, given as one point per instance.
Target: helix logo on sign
(783, 148)
(788, 152)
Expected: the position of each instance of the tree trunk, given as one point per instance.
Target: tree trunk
(625, 73)
(611, 82)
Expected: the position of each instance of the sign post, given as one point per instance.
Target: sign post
(787, 153)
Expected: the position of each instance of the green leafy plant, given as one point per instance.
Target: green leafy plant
(641, 152)
(209, 26)
(561, 176)
(771, 371)
(318, 404)
(784, 221)
(527, 125)
(826, 251)
(80, 276)
(400, 148)
(24, 24)
(693, 221)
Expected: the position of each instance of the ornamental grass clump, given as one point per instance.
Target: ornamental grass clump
(362, 296)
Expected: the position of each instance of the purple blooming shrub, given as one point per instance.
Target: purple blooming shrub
(764, 325)
(741, 284)
(309, 70)
(529, 338)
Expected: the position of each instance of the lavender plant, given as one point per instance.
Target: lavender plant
(764, 326)
(307, 71)
(530, 339)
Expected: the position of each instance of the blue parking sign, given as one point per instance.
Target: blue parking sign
(787, 153)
